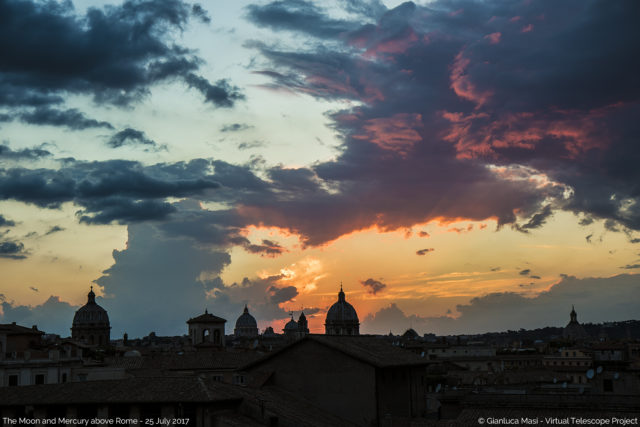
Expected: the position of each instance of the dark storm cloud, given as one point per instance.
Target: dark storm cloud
(537, 220)
(199, 12)
(220, 94)
(166, 270)
(54, 229)
(250, 145)
(23, 154)
(424, 251)
(52, 316)
(72, 119)
(123, 210)
(235, 127)
(4, 222)
(267, 248)
(284, 294)
(587, 220)
(448, 113)
(12, 250)
(525, 272)
(114, 54)
(298, 16)
(130, 136)
(115, 190)
(611, 225)
(631, 266)
(373, 8)
(263, 295)
(548, 308)
(373, 286)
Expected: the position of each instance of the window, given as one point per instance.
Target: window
(13, 380)
(238, 379)
(607, 385)
(39, 379)
(64, 378)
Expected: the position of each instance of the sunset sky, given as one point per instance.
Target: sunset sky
(460, 166)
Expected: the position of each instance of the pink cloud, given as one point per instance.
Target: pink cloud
(397, 133)
(527, 28)
(474, 135)
(462, 84)
(494, 38)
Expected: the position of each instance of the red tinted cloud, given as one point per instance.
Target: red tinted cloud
(397, 133)
(461, 82)
(494, 38)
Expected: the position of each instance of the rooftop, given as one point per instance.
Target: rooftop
(13, 329)
(372, 350)
(207, 318)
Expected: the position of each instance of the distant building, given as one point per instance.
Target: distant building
(246, 325)
(207, 330)
(342, 318)
(91, 323)
(27, 359)
(303, 325)
(296, 330)
(574, 330)
(269, 332)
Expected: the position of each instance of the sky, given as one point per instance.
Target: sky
(458, 166)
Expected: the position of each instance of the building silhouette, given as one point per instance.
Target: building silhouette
(246, 325)
(91, 323)
(342, 318)
(207, 330)
(574, 330)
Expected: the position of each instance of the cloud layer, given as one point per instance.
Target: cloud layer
(596, 300)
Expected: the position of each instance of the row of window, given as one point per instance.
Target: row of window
(14, 379)
(562, 363)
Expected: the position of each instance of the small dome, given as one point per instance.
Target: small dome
(574, 330)
(342, 318)
(91, 314)
(342, 311)
(291, 325)
(246, 320)
(410, 334)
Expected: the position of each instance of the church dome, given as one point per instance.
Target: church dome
(91, 323)
(342, 311)
(574, 330)
(91, 314)
(246, 320)
(291, 325)
(246, 325)
(342, 318)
